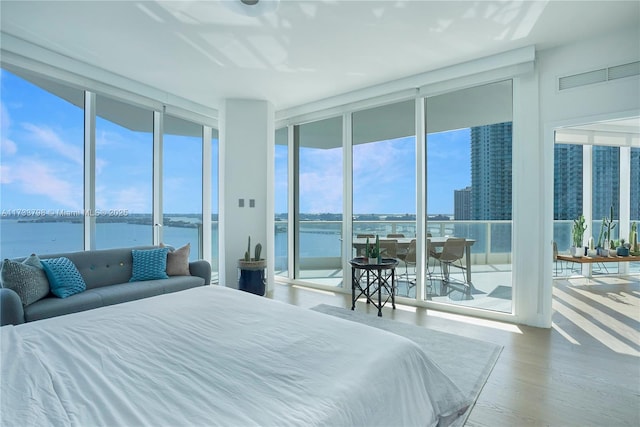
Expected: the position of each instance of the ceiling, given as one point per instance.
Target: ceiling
(300, 51)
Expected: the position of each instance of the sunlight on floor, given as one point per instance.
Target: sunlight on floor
(508, 327)
(606, 310)
(564, 334)
(320, 291)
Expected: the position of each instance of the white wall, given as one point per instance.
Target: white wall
(584, 104)
(594, 100)
(246, 158)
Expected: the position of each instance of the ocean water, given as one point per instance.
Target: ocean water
(21, 239)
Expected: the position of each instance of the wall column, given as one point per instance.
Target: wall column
(247, 137)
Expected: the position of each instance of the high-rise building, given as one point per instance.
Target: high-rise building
(635, 185)
(462, 204)
(491, 171)
(605, 181)
(567, 181)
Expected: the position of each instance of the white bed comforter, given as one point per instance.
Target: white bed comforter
(216, 356)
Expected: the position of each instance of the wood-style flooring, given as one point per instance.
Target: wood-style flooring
(584, 371)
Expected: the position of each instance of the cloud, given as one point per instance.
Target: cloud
(135, 199)
(52, 140)
(7, 146)
(5, 174)
(321, 181)
(40, 179)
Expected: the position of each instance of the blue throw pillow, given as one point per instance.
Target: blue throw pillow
(64, 278)
(149, 264)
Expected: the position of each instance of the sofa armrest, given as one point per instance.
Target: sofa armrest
(11, 311)
(201, 268)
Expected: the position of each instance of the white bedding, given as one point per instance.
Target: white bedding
(216, 356)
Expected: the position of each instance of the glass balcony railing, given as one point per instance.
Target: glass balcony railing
(321, 241)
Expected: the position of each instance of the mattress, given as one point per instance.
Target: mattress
(216, 356)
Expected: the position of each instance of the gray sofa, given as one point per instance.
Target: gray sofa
(106, 274)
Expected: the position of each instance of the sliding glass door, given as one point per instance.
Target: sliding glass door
(469, 190)
(319, 202)
(384, 183)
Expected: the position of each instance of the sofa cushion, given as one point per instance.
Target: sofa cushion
(178, 261)
(64, 278)
(26, 278)
(149, 264)
(123, 292)
(51, 307)
(180, 283)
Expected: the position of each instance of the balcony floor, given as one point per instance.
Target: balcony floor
(491, 289)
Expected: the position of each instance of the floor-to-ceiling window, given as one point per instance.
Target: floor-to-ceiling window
(215, 208)
(567, 190)
(281, 204)
(634, 179)
(469, 189)
(182, 184)
(123, 174)
(597, 174)
(41, 170)
(384, 183)
(319, 202)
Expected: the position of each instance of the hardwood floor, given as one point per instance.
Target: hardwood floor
(584, 371)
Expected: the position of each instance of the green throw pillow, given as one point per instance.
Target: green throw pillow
(26, 278)
(64, 278)
(149, 264)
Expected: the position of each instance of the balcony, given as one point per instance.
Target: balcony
(491, 258)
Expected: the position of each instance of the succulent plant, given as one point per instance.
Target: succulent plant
(257, 251)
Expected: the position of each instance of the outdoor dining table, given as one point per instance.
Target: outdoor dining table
(403, 244)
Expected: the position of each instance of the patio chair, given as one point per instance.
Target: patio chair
(452, 253)
(389, 248)
(409, 259)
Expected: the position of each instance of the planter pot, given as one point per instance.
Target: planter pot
(577, 252)
(603, 252)
(622, 251)
(252, 276)
(592, 252)
(613, 252)
(373, 260)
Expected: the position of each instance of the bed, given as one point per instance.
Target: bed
(216, 356)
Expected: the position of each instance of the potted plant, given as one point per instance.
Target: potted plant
(373, 252)
(579, 227)
(608, 223)
(633, 240)
(252, 271)
(622, 249)
(600, 249)
(613, 248)
(591, 251)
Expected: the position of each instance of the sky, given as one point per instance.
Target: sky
(41, 165)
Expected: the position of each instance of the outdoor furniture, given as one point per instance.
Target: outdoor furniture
(435, 242)
(369, 279)
(596, 259)
(389, 248)
(452, 252)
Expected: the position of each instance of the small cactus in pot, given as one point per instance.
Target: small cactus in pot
(252, 271)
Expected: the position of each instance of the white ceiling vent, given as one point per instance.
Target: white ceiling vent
(599, 76)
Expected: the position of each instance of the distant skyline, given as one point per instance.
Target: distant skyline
(42, 158)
